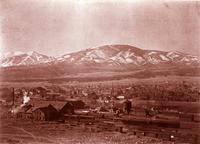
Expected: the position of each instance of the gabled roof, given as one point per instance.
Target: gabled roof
(77, 104)
(47, 109)
(57, 104)
(24, 109)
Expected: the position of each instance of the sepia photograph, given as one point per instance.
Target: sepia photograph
(99, 72)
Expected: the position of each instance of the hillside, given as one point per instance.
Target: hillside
(108, 58)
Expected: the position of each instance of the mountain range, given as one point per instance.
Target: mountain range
(111, 55)
(20, 58)
(107, 58)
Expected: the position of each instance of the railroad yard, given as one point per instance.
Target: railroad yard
(87, 129)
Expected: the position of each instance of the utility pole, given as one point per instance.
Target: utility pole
(13, 94)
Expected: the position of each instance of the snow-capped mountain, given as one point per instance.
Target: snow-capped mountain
(127, 55)
(10, 54)
(20, 58)
(109, 58)
(108, 55)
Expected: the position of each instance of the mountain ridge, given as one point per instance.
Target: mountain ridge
(126, 54)
(109, 58)
(29, 58)
(111, 55)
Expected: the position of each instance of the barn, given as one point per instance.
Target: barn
(68, 108)
(24, 115)
(48, 113)
(24, 112)
(53, 110)
(71, 106)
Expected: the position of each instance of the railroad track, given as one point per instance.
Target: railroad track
(163, 129)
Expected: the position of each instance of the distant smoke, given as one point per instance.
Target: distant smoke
(26, 99)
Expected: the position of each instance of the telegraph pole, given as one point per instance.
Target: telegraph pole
(13, 94)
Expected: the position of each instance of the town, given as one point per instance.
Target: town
(171, 106)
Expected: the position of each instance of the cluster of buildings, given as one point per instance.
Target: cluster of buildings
(48, 110)
(91, 93)
(59, 100)
(45, 103)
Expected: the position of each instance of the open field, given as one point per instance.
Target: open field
(91, 74)
(156, 80)
(20, 132)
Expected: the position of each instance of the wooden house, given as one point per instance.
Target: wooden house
(71, 106)
(68, 108)
(54, 110)
(48, 113)
(25, 113)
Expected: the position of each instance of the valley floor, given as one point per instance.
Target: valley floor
(155, 80)
(23, 132)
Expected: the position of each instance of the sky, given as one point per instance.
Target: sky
(57, 27)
